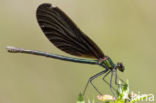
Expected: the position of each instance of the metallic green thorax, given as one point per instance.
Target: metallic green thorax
(106, 62)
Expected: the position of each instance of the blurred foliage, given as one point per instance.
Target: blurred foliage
(123, 96)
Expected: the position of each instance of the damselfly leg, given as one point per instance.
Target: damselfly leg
(116, 79)
(91, 79)
(107, 81)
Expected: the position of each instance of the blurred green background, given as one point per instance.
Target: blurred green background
(124, 29)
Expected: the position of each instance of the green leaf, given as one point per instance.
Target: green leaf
(80, 99)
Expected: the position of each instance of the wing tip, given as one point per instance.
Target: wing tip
(46, 5)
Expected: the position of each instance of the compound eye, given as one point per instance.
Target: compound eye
(120, 67)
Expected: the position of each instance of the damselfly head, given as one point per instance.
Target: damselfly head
(120, 67)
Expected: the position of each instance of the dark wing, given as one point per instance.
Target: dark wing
(64, 34)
